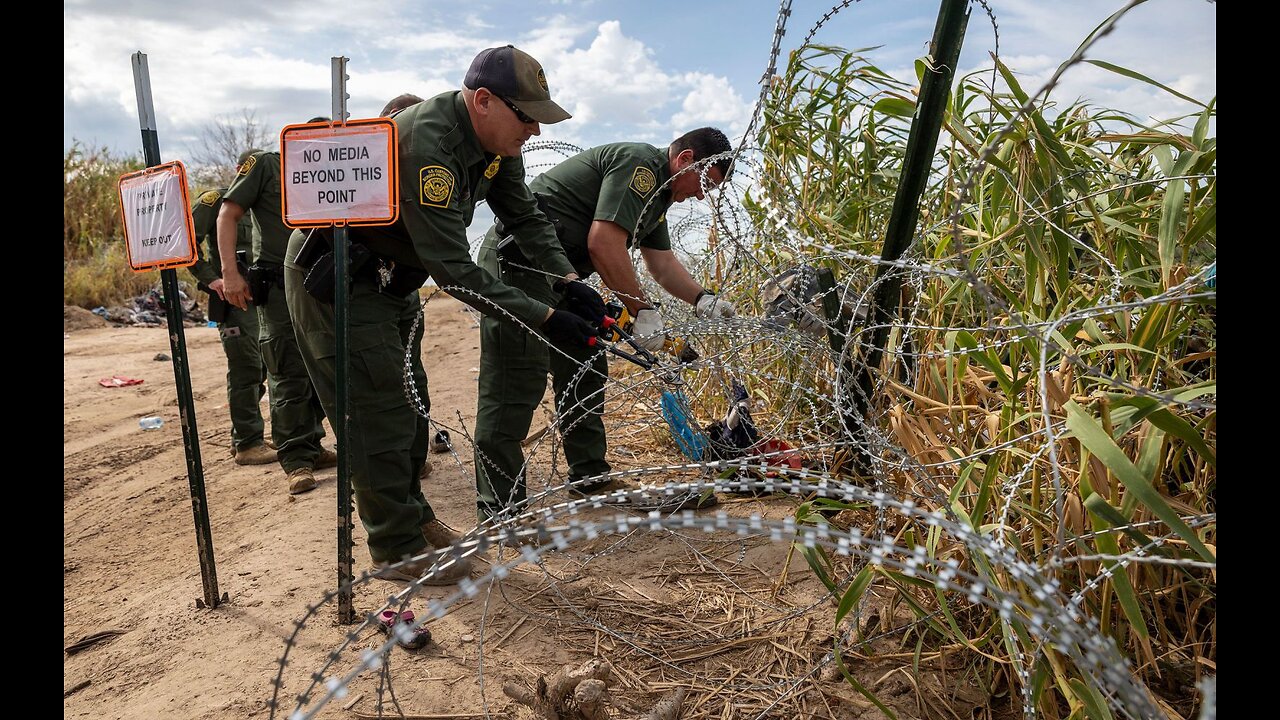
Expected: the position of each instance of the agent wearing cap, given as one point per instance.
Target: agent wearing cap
(455, 149)
(604, 201)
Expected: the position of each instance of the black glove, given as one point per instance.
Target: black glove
(567, 329)
(581, 300)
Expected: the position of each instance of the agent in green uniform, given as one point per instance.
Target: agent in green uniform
(454, 150)
(295, 411)
(596, 199)
(238, 329)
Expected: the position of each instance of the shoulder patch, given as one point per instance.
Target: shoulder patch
(435, 186)
(209, 198)
(247, 165)
(492, 170)
(643, 181)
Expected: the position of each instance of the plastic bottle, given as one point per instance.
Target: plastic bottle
(150, 423)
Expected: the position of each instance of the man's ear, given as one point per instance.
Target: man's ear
(684, 159)
(481, 99)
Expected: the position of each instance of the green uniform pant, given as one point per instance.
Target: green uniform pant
(246, 376)
(295, 410)
(388, 441)
(513, 377)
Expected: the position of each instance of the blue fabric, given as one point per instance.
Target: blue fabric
(675, 411)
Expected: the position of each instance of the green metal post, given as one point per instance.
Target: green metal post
(944, 52)
(178, 349)
(341, 258)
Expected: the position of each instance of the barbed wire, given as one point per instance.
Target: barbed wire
(966, 486)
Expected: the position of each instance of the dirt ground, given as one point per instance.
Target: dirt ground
(664, 610)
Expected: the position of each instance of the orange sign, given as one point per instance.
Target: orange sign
(158, 231)
(336, 174)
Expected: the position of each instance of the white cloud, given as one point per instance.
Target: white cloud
(711, 101)
(621, 77)
(615, 80)
(617, 90)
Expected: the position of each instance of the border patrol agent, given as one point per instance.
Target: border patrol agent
(238, 329)
(296, 413)
(455, 149)
(595, 199)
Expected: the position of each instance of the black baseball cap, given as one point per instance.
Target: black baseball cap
(513, 74)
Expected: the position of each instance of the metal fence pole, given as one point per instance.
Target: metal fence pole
(178, 348)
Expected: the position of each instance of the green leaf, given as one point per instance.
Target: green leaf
(1108, 347)
(1170, 220)
(1095, 706)
(1139, 76)
(1100, 508)
(1150, 452)
(897, 107)
(1204, 222)
(851, 595)
(1147, 333)
(1108, 545)
(1150, 409)
(1164, 158)
(1009, 80)
(1176, 426)
(1093, 437)
(985, 358)
(1202, 125)
(811, 556)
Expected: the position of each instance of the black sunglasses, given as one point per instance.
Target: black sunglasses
(519, 114)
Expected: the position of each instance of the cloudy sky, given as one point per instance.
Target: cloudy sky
(642, 71)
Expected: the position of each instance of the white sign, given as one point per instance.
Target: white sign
(339, 173)
(157, 217)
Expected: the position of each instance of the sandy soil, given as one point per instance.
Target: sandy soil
(130, 564)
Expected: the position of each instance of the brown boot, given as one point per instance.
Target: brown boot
(326, 459)
(270, 443)
(301, 480)
(439, 535)
(426, 470)
(412, 570)
(255, 455)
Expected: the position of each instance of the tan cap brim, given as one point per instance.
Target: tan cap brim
(546, 112)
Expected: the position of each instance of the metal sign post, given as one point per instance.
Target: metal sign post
(338, 174)
(346, 605)
(178, 346)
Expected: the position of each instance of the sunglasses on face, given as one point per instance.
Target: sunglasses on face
(519, 114)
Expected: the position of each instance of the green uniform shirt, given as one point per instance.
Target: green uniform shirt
(204, 215)
(610, 182)
(444, 173)
(257, 188)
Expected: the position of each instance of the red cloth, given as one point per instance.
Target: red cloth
(118, 381)
(786, 455)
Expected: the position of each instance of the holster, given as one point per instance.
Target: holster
(261, 279)
(321, 279)
(217, 307)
